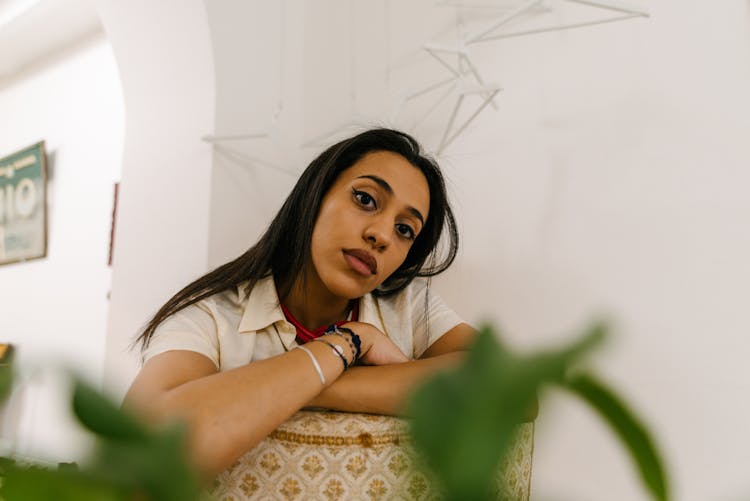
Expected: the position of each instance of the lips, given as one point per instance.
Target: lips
(361, 261)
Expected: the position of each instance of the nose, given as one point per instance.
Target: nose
(378, 233)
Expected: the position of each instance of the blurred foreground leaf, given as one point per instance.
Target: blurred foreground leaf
(34, 483)
(100, 416)
(129, 461)
(631, 432)
(464, 420)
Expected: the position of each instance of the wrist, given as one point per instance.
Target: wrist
(339, 347)
(351, 338)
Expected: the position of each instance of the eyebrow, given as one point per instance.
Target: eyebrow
(387, 187)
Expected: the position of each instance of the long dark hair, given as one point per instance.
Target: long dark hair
(284, 249)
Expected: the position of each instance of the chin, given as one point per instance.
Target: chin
(351, 288)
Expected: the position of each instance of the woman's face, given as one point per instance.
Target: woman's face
(367, 223)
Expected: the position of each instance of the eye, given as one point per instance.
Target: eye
(364, 199)
(406, 231)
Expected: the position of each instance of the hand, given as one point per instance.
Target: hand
(377, 348)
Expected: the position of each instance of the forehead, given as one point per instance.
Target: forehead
(407, 181)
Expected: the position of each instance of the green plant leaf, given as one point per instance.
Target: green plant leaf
(628, 428)
(458, 421)
(102, 417)
(464, 420)
(129, 455)
(130, 461)
(156, 465)
(39, 484)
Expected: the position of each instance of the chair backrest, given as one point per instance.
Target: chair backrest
(342, 456)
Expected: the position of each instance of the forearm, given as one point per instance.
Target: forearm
(228, 413)
(382, 389)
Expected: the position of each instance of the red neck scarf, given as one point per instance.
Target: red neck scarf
(305, 335)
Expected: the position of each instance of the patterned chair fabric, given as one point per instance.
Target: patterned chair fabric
(346, 456)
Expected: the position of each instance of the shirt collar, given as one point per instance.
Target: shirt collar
(262, 307)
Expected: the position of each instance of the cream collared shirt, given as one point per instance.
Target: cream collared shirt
(233, 329)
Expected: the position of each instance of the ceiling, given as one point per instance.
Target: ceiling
(31, 30)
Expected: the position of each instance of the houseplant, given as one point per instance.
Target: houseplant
(462, 422)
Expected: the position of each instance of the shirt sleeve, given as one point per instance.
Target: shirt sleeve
(193, 329)
(432, 317)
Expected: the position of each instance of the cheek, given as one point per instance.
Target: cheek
(397, 259)
(324, 234)
(318, 243)
(324, 228)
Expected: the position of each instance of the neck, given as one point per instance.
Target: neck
(313, 308)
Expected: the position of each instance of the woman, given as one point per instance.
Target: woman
(330, 285)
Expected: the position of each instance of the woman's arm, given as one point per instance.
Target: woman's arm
(381, 389)
(384, 389)
(228, 413)
(458, 338)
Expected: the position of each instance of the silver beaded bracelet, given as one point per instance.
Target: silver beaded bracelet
(337, 350)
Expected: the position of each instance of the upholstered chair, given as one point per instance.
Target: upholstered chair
(347, 456)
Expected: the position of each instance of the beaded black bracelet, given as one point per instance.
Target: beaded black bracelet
(346, 340)
(353, 339)
(356, 341)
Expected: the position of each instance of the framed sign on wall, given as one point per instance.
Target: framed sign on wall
(23, 205)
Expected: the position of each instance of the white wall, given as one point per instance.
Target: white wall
(611, 180)
(249, 177)
(615, 177)
(55, 309)
(164, 54)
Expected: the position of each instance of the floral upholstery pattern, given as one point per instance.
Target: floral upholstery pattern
(347, 456)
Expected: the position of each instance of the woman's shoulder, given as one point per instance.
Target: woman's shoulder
(229, 302)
